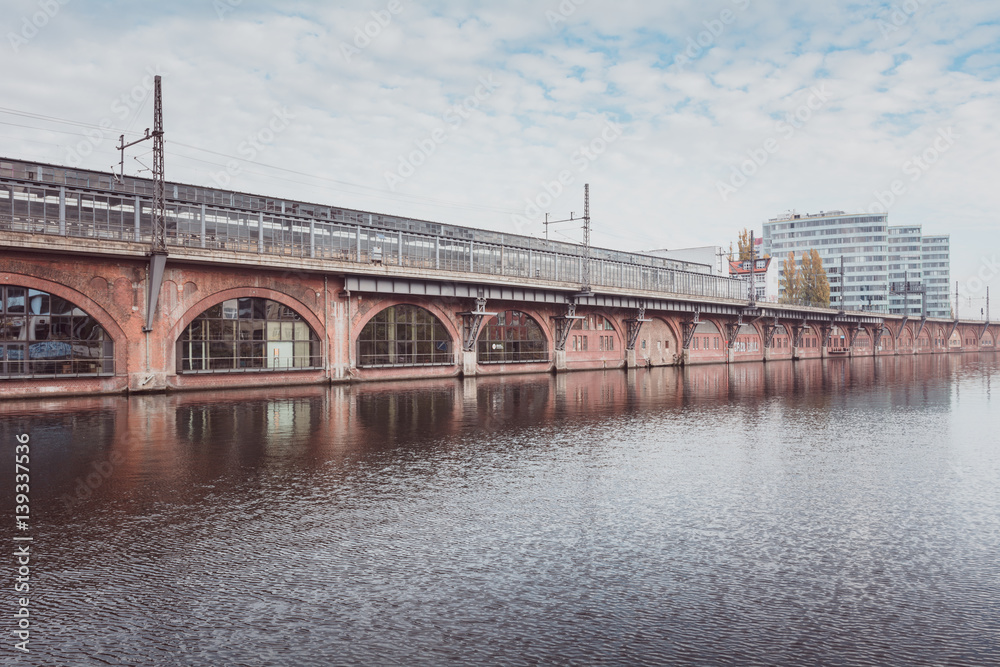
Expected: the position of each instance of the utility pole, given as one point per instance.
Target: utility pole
(753, 264)
(841, 283)
(585, 269)
(158, 235)
(585, 288)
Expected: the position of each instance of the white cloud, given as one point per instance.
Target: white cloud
(655, 185)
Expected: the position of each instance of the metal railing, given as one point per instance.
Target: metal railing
(124, 217)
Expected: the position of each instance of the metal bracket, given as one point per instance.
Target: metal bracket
(471, 323)
(824, 330)
(157, 263)
(733, 330)
(986, 327)
(633, 325)
(954, 325)
(798, 330)
(852, 334)
(876, 334)
(688, 327)
(920, 329)
(769, 331)
(564, 323)
(902, 325)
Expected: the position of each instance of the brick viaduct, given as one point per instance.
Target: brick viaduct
(108, 279)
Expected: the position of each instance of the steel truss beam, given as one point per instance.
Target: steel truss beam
(688, 327)
(824, 331)
(733, 330)
(954, 325)
(471, 323)
(902, 325)
(769, 330)
(852, 335)
(798, 330)
(876, 333)
(633, 325)
(564, 324)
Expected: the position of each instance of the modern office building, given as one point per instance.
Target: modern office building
(922, 261)
(873, 254)
(935, 255)
(857, 242)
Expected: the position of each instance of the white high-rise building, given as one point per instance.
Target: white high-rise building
(858, 242)
(935, 255)
(874, 254)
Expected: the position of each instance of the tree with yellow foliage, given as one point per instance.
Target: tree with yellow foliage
(815, 288)
(791, 280)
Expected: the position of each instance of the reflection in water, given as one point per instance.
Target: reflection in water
(787, 513)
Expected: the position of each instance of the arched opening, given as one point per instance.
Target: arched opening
(248, 334)
(707, 337)
(837, 343)
(594, 333)
(42, 334)
(512, 337)
(404, 335)
(657, 343)
(747, 339)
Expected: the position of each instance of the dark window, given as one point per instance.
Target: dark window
(42, 334)
(513, 337)
(251, 333)
(404, 336)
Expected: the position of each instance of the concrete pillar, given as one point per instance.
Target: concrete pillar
(468, 360)
(730, 355)
(630, 361)
(560, 360)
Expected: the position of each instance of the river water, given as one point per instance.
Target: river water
(842, 512)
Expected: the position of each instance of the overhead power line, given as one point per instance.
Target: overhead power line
(403, 197)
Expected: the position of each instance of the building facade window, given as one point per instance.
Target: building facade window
(247, 334)
(404, 336)
(43, 334)
(514, 337)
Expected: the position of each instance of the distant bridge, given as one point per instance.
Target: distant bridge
(263, 291)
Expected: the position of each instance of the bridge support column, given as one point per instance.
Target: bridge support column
(150, 382)
(559, 360)
(630, 361)
(468, 359)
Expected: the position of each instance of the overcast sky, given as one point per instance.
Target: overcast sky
(689, 120)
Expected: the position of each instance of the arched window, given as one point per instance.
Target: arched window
(404, 336)
(250, 333)
(43, 334)
(512, 337)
